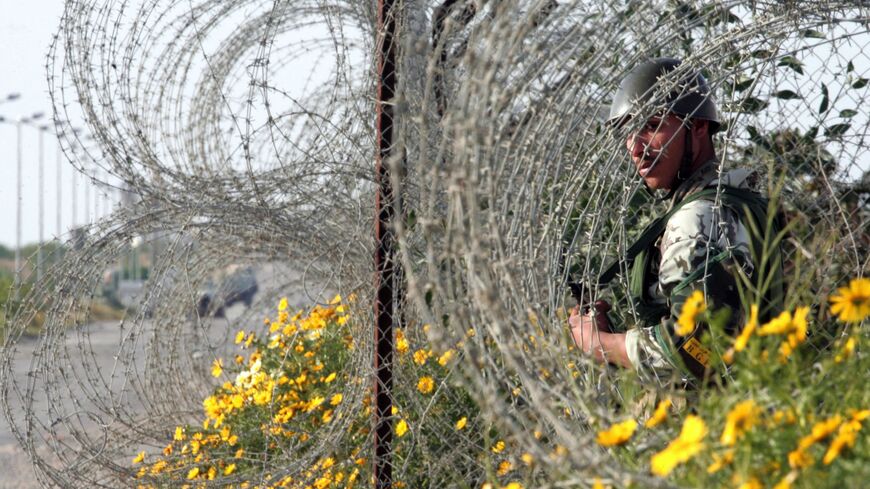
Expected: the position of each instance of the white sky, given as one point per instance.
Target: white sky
(26, 29)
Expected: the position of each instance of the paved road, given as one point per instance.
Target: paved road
(100, 352)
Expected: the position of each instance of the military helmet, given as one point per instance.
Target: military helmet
(690, 97)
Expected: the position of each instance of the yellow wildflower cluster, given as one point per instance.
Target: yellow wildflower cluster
(793, 326)
(742, 418)
(283, 391)
(851, 304)
(846, 429)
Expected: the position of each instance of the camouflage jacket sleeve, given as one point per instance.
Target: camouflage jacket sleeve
(694, 235)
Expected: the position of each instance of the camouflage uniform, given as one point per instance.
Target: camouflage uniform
(694, 233)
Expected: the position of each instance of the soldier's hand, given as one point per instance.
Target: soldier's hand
(585, 327)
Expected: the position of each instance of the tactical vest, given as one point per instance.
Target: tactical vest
(692, 354)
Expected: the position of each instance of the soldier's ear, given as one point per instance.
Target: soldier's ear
(700, 127)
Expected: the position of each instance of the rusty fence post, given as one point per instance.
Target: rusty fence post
(384, 259)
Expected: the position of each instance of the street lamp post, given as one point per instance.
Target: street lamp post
(39, 263)
(58, 183)
(18, 125)
(18, 208)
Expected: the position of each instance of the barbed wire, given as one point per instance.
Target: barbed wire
(242, 131)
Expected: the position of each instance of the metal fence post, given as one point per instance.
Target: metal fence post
(384, 259)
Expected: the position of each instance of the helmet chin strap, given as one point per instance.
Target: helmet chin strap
(684, 171)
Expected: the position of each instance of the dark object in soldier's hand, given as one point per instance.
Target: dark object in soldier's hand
(583, 298)
(601, 307)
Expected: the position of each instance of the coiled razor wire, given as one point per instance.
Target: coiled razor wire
(243, 132)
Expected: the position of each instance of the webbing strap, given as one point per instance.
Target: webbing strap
(648, 236)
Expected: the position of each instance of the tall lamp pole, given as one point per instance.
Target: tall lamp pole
(18, 125)
(18, 207)
(42, 130)
(58, 184)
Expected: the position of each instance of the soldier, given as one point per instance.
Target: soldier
(698, 245)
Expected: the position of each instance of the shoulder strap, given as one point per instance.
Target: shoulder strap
(648, 236)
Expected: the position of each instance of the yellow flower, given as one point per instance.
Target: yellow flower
(179, 434)
(800, 325)
(799, 459)
(420, 357)
(498, 447)
(846, 436)
(336, 399)
(329, 378)
(425, 385)
(139, 458)
(851, 304)
(282, 305)
(786, 323)
(327, 416)
(527, 458)
(193, 473)
(402, 344)
(504, 467)
(617, 434)
(860, 415)
(401, 428)
(720, 461)
(597, 484)
(660, 414)
(820, 431)
(780, 416)
(752, 483)
(217, 368)
(693, 306)
(513, 485)
(742, 418)
(847, 350)
(680, 450)
(446, 357)
(158, 467)
(230, 469)
(461, 423)
(240, 336)
(748, 329)
(314, 403)
(335, 300)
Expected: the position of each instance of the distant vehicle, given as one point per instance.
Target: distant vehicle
(239, 286)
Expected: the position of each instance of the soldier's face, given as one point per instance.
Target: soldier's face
(657, 150)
